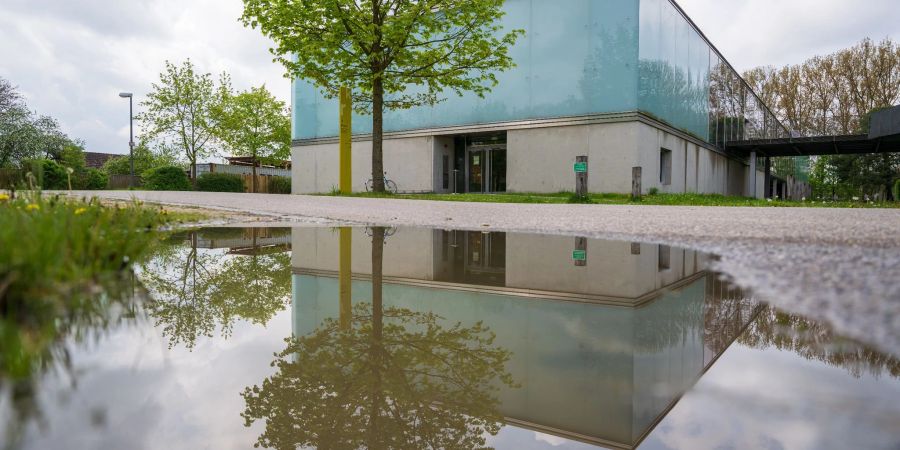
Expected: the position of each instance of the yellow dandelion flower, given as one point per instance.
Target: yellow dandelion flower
(4, 197)
(32, 207)
(80, 211)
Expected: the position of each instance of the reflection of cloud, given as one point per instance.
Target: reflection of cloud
(552, 440)
(777, 399)
(153, 397)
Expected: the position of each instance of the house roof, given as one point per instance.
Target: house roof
(96, 160)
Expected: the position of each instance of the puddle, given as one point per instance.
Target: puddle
(417, 338)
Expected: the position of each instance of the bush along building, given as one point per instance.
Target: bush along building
(627, 83)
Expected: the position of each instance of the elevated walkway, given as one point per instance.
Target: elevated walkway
(884, 137)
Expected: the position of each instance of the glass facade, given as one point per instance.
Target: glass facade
(583, 57)
(578, 57)
(684, 82)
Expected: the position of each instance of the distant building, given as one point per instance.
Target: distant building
(628, 83)
(94, 160)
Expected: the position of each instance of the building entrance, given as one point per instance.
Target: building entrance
(486, 164)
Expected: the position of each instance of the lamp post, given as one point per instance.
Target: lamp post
(130, 97)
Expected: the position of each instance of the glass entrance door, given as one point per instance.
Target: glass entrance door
(477, 170)
(486, 169)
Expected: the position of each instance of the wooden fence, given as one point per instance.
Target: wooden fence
(262, 183)
(123, 181)
(10, 178)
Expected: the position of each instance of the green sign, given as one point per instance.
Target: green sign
(579, 255)
(580, 167)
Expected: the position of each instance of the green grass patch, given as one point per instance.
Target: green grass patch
(625, 199)
(62, 264)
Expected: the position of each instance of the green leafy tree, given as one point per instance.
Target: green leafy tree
(256, 124)
(393, 55)
(25, 135)
(179, 111)
(145, 159)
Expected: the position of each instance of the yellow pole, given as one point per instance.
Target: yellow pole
(346, 124)
(345, 280)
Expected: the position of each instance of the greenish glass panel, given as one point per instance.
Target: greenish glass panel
(578, 57)
(674, 69)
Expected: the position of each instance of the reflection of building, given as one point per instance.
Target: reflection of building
(601, 351)
(628, 83)
(242, 241)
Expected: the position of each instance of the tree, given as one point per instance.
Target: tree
(145, 159)
(256, 124)
(25, 135)
(393, 55)
(387, 378)
(179, 111)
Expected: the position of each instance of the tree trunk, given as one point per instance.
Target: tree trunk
(253, 182)
(378, 134)
(194, 173)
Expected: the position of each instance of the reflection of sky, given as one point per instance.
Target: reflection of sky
(775, 399)
(147, 396)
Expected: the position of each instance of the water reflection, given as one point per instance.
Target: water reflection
(203, 281)
(384, 377)
(434, 338)
(816, 341)
(601, 343)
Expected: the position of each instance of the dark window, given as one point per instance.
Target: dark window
(665, 255)
(665, 167)
(446, 162)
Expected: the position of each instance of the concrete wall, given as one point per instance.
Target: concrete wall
(409, 162)
(540, 160)
(443, 146)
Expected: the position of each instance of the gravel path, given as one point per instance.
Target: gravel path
(838, 265)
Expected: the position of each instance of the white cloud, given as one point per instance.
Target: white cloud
(71, 59)
(779, 32)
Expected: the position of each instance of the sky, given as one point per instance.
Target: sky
(71, 58)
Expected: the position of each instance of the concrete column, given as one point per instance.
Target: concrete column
(753, 174)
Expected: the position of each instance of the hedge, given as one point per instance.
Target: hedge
(280, 185)
(49, 174)
(93, 179)
(166, 178)
(220, 182)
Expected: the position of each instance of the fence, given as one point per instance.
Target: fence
(123, 181)
(242, 170)
(10, 178)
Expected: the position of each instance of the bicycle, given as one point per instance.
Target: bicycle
(389, 185)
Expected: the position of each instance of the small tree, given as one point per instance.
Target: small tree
(394, 55)
(254, 123)
(179, 111)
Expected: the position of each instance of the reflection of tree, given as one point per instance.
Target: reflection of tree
(817, 342)
(196, 291)
(393, 378)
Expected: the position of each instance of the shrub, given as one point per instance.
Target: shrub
(166, 178)
(49, 174)
(280, 185)
(653, 191)
(897, 191)
(220, 182)
(93, 179)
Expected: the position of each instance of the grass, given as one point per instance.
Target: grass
(625, 199)
(60, 263)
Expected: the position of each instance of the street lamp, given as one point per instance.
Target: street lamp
(129, 96)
